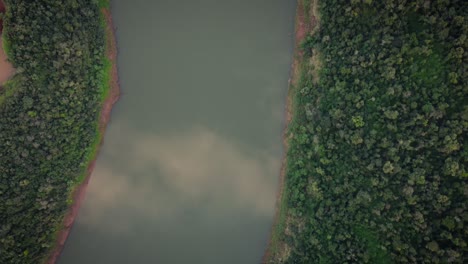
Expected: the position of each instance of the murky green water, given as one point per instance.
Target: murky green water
(189, 169)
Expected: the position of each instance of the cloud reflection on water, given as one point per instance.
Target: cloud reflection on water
(166, 175)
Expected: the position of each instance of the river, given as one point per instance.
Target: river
(189, 169)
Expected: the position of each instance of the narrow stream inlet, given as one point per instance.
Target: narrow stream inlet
(189, 169)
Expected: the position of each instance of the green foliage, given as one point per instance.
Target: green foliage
(375, 252)
(358, 121)
(104, 3)
(48, 118)
(377, 163)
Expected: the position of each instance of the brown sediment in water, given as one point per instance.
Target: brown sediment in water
(112, 97)
(301, 30)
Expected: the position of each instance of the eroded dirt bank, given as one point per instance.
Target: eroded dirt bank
(6, 68)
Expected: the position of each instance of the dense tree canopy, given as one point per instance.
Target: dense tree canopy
(48, 118)
(378, 159)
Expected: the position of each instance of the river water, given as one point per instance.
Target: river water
(189, 169)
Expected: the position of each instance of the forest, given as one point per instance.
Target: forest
(377, 159)
(49, 116)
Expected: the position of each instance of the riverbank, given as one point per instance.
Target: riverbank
(2, 11)
(111, 96)
(6, 68)
(372, 145)
(277, 251)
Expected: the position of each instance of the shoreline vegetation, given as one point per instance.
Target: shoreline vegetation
(6, 68)
(54, 113)
(375, 167)
(306, 22)
(111, 97)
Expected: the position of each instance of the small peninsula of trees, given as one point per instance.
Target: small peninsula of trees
(377, 164)
(48, 118)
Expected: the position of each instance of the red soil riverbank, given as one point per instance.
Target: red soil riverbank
(6, 68)
(301, 30)
(112, 97)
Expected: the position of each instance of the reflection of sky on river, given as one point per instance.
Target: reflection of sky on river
(173, 199)
(182, 167)
(189, 169)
